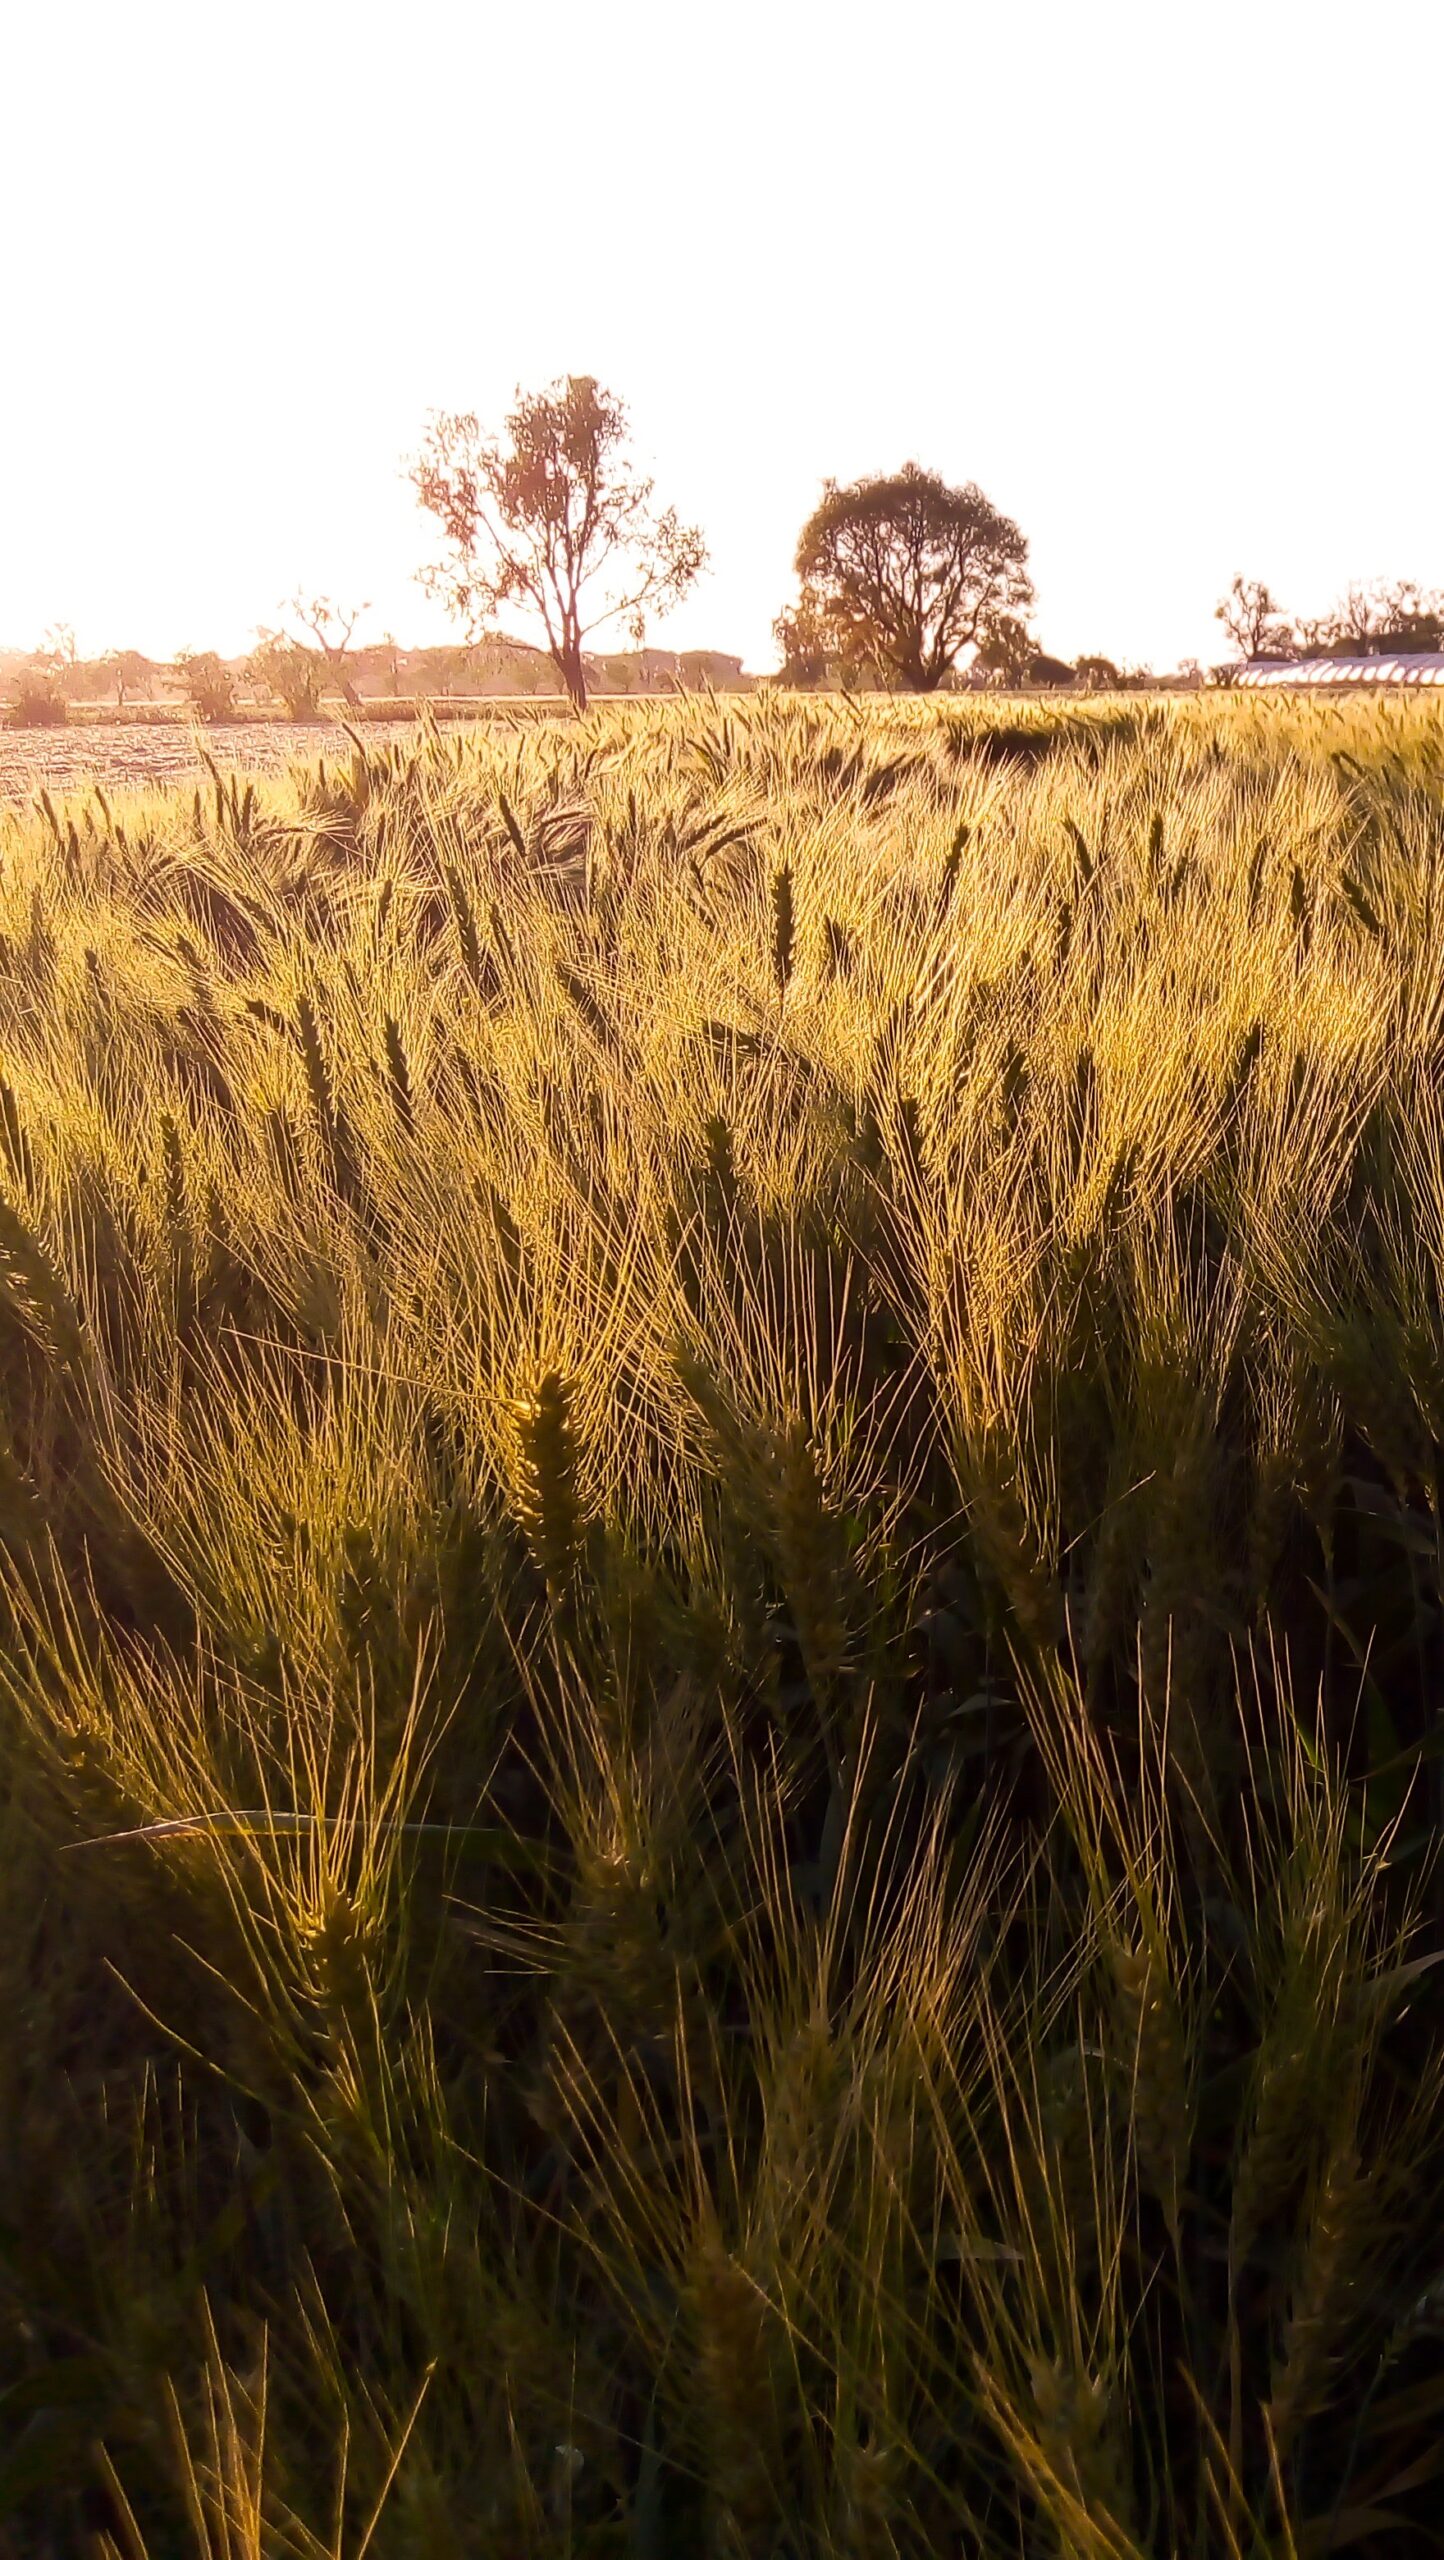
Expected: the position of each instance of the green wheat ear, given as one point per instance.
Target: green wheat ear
(1301, 907)
(1367, 914)
(398, 1075)
(507, 1233)
(783, 925)
(173, 1176)
(838, 946)
(721, 1161)
(318, 1078)
(40, 942)
(731, 2323)
(1084, 859)
(284, 1151)
(808, 1545)
(548, 1501)
(580, 996)
(509, 821)
(32, 1284)
(466, 933)
(952, 864)
(13, 1137)
(332, 1125)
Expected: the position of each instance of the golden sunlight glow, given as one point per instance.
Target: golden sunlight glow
(1161, 280)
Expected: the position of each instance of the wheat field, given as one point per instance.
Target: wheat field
(721, 1581)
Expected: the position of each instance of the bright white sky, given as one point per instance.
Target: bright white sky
(1167, 280)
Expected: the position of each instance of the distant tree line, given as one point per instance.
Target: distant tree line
(903, 581)
(1388, 618)
(284, 676)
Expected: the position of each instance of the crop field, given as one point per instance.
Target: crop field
(132, 752)
(721, 1573)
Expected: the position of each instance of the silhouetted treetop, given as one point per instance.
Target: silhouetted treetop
(909, 572)
(1254, 620)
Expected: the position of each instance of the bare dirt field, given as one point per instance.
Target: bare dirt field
(131, 755)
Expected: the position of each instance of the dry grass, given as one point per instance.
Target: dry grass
(719, 1440)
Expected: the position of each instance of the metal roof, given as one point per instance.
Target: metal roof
(1425, 666)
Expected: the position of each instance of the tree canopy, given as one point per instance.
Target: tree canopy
(817, 646)
(906, 572)
(209, 685)
(554, 519)
(1391, 614)
(332, 627)
(1387, 616)
(126, 670)
(292, 673)
(1007, 649)
(1253, 620)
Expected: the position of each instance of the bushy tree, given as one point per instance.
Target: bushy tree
(907, 573)
(1006, 650)
(704, 667)
(618, 672)
(207, 683)
(330, 626)
(293, 675)
(442, 672)
(38, 700)
(126, 670)
(552, 518)
(814, 649)
(81, 679)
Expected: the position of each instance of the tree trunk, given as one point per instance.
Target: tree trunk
(569, 667)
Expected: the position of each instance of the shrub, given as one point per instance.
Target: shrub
(210, 687)
(38, 702)
(291, 674)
